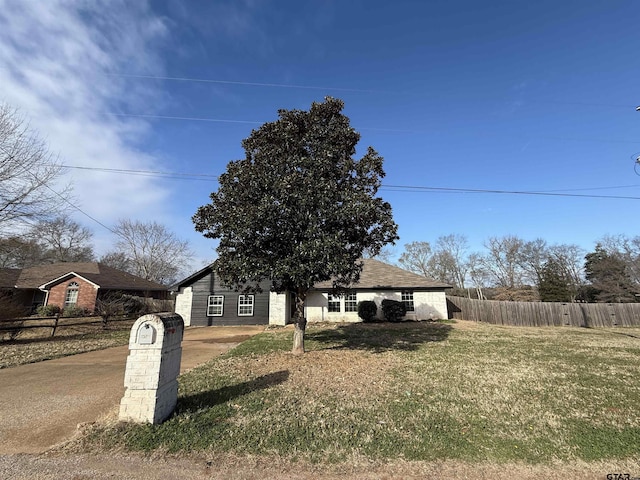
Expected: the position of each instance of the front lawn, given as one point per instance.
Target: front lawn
(71, 337)
(416, 391)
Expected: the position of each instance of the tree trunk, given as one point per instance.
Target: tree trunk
(300, 323)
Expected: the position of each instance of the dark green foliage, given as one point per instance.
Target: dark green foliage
(298, 209)
(609, 276)
(48, 310)
(367, 310)
(393, 310)
(553, 285)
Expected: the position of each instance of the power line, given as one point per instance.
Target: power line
(396, 188)
(371, 129)
(148, 173)
(409, 188)
(252, 84)
(170, 117)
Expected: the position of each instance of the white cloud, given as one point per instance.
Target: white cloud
(57, 58)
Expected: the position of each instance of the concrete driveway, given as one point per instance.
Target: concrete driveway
(41, 404)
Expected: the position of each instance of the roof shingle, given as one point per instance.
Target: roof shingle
(98, 273)
(379, 275)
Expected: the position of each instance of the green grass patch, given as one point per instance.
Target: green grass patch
(418, 391)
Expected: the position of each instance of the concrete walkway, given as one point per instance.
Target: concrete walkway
(41, 404)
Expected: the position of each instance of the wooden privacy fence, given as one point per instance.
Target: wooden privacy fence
(545, 314)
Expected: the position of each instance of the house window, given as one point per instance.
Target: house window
(245, 305)
(333, 303)
(351, 303)
(215, 305)
(71, 297)
(407, 299)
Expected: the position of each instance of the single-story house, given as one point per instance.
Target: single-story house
(77, 284)
(201, 299)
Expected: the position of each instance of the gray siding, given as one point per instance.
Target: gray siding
(209, 284)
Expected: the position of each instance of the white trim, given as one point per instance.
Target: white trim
(253, 300)
(59, 279)
(210, 305)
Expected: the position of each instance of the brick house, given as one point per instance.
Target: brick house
(73, 284)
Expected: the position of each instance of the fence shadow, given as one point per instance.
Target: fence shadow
(381, 337)
(193, 403)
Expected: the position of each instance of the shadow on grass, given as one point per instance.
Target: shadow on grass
(193, 403)
(380, 337)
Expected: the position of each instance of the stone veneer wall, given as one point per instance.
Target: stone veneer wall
(153, 366)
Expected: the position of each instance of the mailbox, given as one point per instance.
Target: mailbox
(153, 366)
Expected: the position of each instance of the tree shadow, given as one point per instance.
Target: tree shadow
(198, 401)
(381, 337)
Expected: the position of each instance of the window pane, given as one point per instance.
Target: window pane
(245, 305)
(334, 303)
(71, 297)
(407, 299)
(351, 303)
(215, 305)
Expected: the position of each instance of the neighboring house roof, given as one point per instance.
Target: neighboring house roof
(101, 275)
(9, 277)
(377, 275)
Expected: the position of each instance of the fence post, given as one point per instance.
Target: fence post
(55, 325)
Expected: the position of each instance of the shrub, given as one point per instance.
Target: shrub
(367, 310)
(393, 310)
(134, 305)
(75, 311)
(48, 310)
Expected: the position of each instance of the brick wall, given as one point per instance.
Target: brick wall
(86, 293)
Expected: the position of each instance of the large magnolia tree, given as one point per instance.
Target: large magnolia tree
(298, 209)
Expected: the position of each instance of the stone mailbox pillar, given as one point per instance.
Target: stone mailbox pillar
(153, 366)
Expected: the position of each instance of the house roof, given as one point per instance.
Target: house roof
(9, 277)
(97, 273)
(375, 275)
(378, 275)
(191, 278)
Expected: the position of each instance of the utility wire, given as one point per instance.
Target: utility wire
(409, 188)
(339, 89)
(252, 84)
(372, 129)
(396, 188)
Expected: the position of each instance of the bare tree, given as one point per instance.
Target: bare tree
(570, 259)
(151, 250)
(627, 249)
(534, 256)
(416, 258)
(385, 254)
(117, 260)
(27, 172)
(63, 240)
(451, 253)
(20, 252)
(504, 260)
(477, 273)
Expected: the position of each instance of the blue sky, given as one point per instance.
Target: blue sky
(494, 95)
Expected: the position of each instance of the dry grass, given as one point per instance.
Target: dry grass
(36, 344)
(477, 394)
